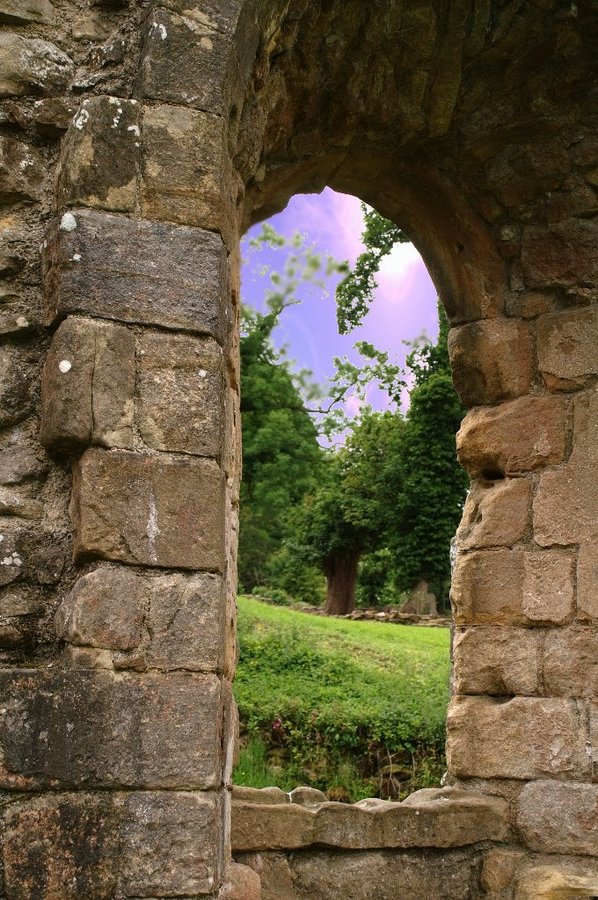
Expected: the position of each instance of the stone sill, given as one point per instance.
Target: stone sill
(447, 817)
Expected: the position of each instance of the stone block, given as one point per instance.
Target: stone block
(203, 59)
(100, 159)
(22, 171)
(149, 510)
(170, 844)
(567, 498)
(88, 386)
(186, 176)
(64, 846)
(550, 878)
(258, 826)
(18, 376)
(496, 514)
(559, 817)
(29, 65)
(491, 360)
(561, 254)
(499, 661)
(105, 609)
(521, 738)
(97, 729)
(22, 12)
(587, 583)
(510, 587)
(106, 265)
(570, 661)
(518, 436)
(498, 870)
(568, 348)
(530, 305)
(216, 15)
(240, 883)
(180, 387)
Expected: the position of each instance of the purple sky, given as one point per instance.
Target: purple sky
(405, 301)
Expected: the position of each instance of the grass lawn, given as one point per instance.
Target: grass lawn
(354, 707)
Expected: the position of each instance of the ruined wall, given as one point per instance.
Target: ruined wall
(137, 140)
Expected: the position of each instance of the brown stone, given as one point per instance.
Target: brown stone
(529, 306)
(180, 383)
(185, 175)
(105, 609)
(100, 158)
(491, 360)
(28, 65)
(18, 374)
(274, 873)
(281, 826)
(269, 795)
(199, 78)
(170, 844)
(149, 510)
(568, 347)
(240, 883)
(548, 879)
(93, 728)
(561, 255)
(509, 587)
(25, 11)
(517, 436)
(567, 498)
(22, 171)
(499, 869)
(496, 660)
(88, 386)
(524, 737)
(136, 271)
(496, 514)
(587, 579)
(559, 817)
(571, 662)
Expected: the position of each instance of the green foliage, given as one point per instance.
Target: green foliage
(355, 293)
(323, 694)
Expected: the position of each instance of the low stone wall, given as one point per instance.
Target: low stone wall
(439, 843)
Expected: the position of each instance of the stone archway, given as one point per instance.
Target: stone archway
(472, 127)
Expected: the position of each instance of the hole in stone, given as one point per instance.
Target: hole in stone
(459, 247)
(492, 474)
(307, 543)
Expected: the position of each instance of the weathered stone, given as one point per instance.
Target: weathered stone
(180, 382)
(202, 54)
(524, 737)
(30, 65)
(258, 826)
(496, 514)
(90, 27)
(213, 14)
(571, 662)
(269, 795)
(185, 176)
(104, 609)
(136, 271)
(240, 883)
(22, 502)
(20, 602)
(88, 386)
(52, 115)
(22, 171)
(25, 11)
(100, 158)
(491, 360)
(92, 728)
(561, 255)
(567, 499)
(559, 817)
(380, 875)
(274, 873)
(499, 869)
(186, 622)
(517, 436)
(307, 796)
(528, 306)
(18, 373)
(170, 844)
(587, 579)
(149, 510)
(63, 846)
(568, 348)
(496, 660)
(511, 587)
(550, 879)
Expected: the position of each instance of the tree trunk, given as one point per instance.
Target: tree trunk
(341, 576)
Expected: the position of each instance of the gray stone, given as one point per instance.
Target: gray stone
(25, 11)
(98, 729)
(559, 817)
(136, 271)
(22, 171)
(30, 65)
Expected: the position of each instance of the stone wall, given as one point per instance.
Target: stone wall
(137, 140)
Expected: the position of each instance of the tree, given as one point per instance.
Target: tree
(351, 508)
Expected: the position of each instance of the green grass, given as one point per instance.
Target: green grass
(332, 702)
